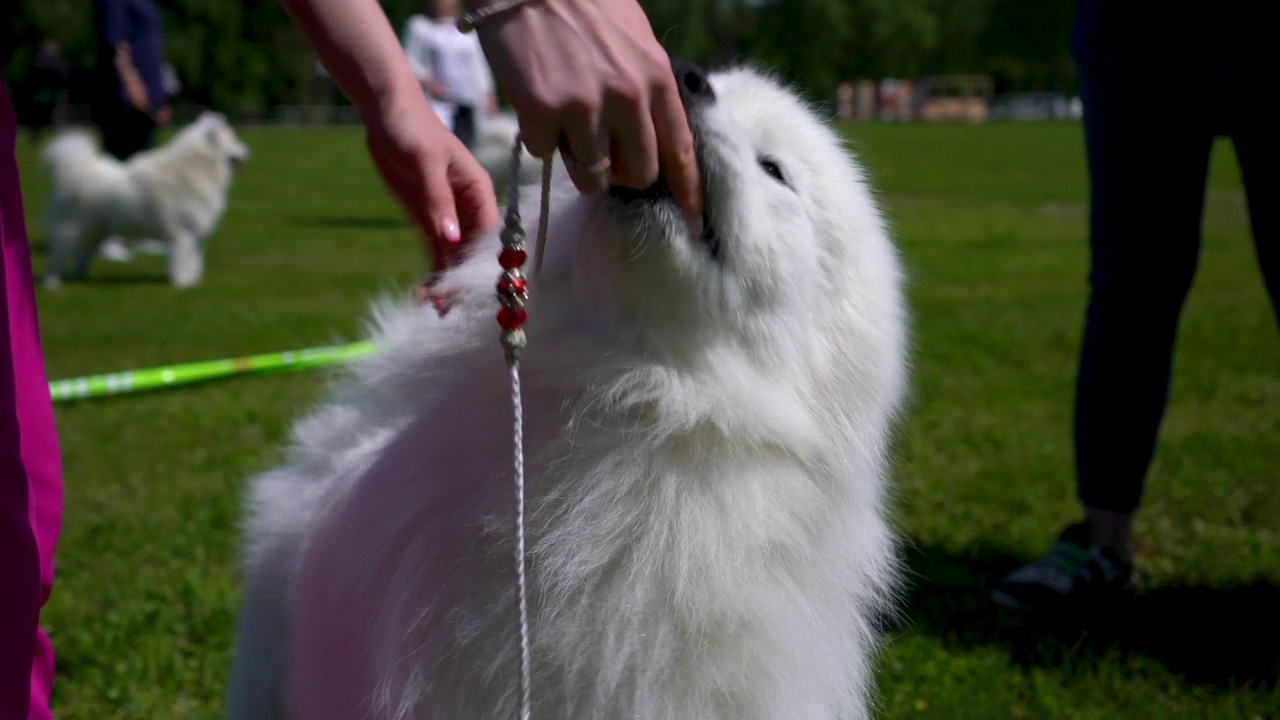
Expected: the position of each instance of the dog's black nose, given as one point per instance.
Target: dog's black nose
(693, 84)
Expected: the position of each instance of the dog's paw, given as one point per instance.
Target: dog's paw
(183, 281)
(115, 250)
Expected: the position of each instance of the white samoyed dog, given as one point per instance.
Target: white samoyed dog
(708, 408)
(175, 193)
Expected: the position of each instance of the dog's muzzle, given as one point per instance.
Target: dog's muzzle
(695, 94)
(695, 90)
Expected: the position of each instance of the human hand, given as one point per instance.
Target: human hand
(164, 115)
(442, 186)
(589, 77)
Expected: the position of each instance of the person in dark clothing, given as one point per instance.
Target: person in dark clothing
(131, 98)
(1148, 156)
(47, 83)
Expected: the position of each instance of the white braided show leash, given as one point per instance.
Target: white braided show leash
(513, 291)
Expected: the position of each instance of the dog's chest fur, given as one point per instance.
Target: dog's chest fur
(673, 575)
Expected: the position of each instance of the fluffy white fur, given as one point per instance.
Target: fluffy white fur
(175, 193)
(707, 442)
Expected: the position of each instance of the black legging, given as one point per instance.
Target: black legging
(1158, 84)
(126, 130)
(464, 124)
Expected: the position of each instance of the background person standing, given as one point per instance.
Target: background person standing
(131, 100)
(452, 69)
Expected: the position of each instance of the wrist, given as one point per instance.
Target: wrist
(360, 50)
(484, 13)
(399, 102)
(385, 97)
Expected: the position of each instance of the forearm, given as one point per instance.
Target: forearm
(129, 77)
(357, 45)
(124, 63)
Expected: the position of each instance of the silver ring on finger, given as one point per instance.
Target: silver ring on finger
(599, 167)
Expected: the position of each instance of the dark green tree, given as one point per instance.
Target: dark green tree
(245, 56)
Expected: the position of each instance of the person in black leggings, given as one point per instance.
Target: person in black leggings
(130, 99)
(1159, 82)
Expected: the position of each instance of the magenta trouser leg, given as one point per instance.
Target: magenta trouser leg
(30, 464)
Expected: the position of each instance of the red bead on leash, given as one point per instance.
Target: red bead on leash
(512, 284)
(512, 318)
(513, 257)
(513, 289)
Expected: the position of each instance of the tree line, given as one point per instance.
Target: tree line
(240, 56)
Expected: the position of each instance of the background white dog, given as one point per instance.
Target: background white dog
(493, 147)
(708, 409)
(175, 193)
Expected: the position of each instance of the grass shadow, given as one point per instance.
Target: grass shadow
(39, 249)
(349, 222)
(125, 279)
(1226, 637)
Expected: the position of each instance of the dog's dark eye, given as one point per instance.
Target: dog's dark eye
(775, 171)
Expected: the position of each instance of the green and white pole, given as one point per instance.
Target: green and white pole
(132, 381)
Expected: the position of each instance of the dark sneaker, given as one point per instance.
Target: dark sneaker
(1076, 575)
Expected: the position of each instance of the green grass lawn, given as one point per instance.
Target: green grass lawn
(991, 220)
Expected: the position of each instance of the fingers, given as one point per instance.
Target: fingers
(441, 214)
(539, 130)
(585, 148)
(399, 182)
(623, 140)
(475, 208)
(477, 204)
(592, 80)
(635, 146)
(423, 190)
(676, 156)
(428, 293)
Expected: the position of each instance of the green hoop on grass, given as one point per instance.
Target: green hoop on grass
(132, 381)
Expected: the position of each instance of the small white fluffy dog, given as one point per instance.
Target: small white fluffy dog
(175, 193)
(707, 415)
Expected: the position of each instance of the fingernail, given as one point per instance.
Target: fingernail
(449, 228)
(442, 303)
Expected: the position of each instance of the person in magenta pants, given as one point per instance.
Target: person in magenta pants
(30, 464)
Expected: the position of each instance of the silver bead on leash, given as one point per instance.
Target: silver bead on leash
(513, 291)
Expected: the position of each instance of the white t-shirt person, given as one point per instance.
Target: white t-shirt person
(451, 67)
